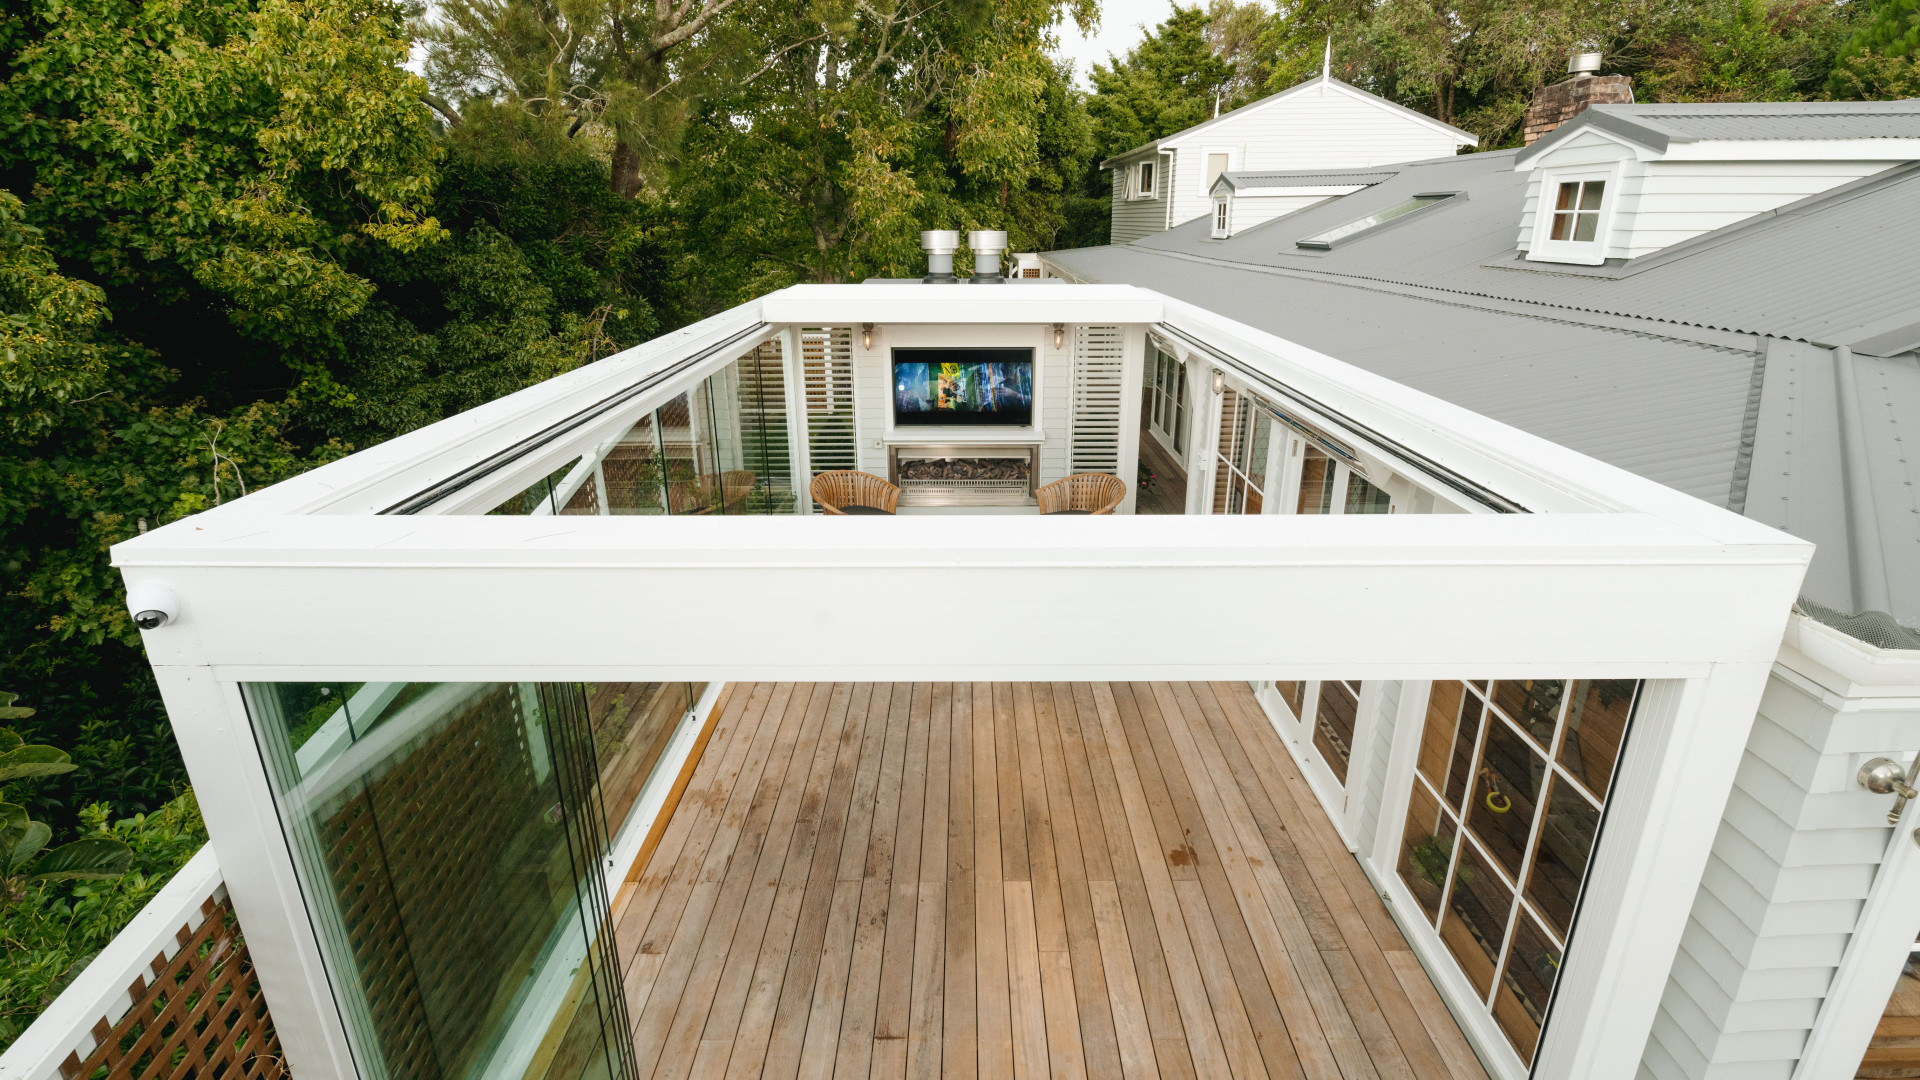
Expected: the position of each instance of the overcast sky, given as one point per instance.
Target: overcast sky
(1122, 22)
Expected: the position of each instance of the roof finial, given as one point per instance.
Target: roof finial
(1326, 64)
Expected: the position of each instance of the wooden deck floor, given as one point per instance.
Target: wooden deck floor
(1015, 880)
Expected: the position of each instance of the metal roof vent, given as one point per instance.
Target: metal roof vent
(940, 244)
(1586, 63)
(988, 245)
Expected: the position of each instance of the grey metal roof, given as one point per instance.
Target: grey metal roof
(1658, 125)
(1245, 181)
(1467, 138)
(1707, 366)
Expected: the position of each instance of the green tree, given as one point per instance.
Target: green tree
(1171, 81)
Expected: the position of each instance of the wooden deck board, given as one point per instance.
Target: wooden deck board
(1014, 880)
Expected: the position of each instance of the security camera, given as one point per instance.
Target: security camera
(153, 606)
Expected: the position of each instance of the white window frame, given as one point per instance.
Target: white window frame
(1144, 179)
(1222, 217)
(1581, 253)
(1232, 154)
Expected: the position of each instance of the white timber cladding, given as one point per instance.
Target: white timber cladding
(1317, 125)
(1656, 203)
(1096, 424)
(1245, 210)
(1793, 866)
(833, 435)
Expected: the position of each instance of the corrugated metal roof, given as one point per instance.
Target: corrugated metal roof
(1649, 365)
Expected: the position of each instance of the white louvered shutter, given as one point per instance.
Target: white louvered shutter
(1097, 371)
(826, 356)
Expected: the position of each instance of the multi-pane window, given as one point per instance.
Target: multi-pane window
(1167, 405)
(1219, 217)
(1505, 809)
(1576, 211)
(1329, 487)
(1240, 462)
(1335, 716)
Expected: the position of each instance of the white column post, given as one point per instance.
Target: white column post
(210, 722)
(1133, 366)
(1669, 792)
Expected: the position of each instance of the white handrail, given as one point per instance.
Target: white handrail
(101, 992)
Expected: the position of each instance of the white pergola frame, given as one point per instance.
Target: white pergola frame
(1606, 575)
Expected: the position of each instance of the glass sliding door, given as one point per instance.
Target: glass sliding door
(720, 448)
(449, 840)
(1504, 812)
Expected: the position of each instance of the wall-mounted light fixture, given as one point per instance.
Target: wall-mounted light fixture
(866, 335)
(1059, 334)
(1219, 381)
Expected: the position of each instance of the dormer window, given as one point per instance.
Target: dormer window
(1573, 223)
(1219, 219)
(1143, 181)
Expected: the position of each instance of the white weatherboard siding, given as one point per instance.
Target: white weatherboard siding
(1792, 867)
(1657, 203)
(1320, 124)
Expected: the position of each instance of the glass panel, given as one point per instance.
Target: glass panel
(674, 423)
(1475, 922)
(539, 497)
(1567, 832)
(1316, 483)
(585, 499)
(1591, 194)
(633, 471)
(1566, 197)
(1333, 722)
(632, 724)
(1446, 746)
(1180, 408)
(448, 840)
(1533, 703)
(1526, 983)
(1364, 498)
(1290, 692)
(1257, 457)
(1585, 227)
(1426, 848)
(1596, 722)
(761, 393)
(1338, 233)
(1504, 795)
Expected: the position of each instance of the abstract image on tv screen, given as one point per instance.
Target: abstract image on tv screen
(974, 387)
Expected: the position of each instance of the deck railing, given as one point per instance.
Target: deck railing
(172, 995)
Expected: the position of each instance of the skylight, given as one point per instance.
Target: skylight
(1339, 233)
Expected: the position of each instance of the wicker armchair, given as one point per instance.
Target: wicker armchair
(837, 492)
(1083, 493)
(708, 493)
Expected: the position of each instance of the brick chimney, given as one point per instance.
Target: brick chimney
(1562, 101)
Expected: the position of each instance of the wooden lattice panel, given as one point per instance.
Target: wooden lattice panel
(202, 1016)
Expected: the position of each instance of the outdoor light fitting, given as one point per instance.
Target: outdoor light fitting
(1219, 381)
(866, 335)
(1059, 334)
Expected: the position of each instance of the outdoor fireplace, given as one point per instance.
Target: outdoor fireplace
(964, 475)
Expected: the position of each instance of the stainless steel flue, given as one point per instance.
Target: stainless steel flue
(940, 244)
(988, 246)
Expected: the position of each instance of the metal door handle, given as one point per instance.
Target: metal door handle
(1885, 776)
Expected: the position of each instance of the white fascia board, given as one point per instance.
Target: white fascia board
(963, 302)
(1848, 666)
(1887, 150)
(1391, 596)
(370, 480)
(1542, 475)
(1544, 159)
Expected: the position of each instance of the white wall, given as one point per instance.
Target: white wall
(1316, 127)
(1245, 211)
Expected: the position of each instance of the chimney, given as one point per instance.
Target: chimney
(1562, 101)
(988, 245)
(939, 244)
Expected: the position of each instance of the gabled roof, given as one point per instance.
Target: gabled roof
(1321, 82)
(1658, 126)
(1707, 366)
(1244, 183)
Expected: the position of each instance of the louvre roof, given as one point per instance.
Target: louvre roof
(1705, 366)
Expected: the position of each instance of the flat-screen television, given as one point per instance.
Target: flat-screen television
(963, 387)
